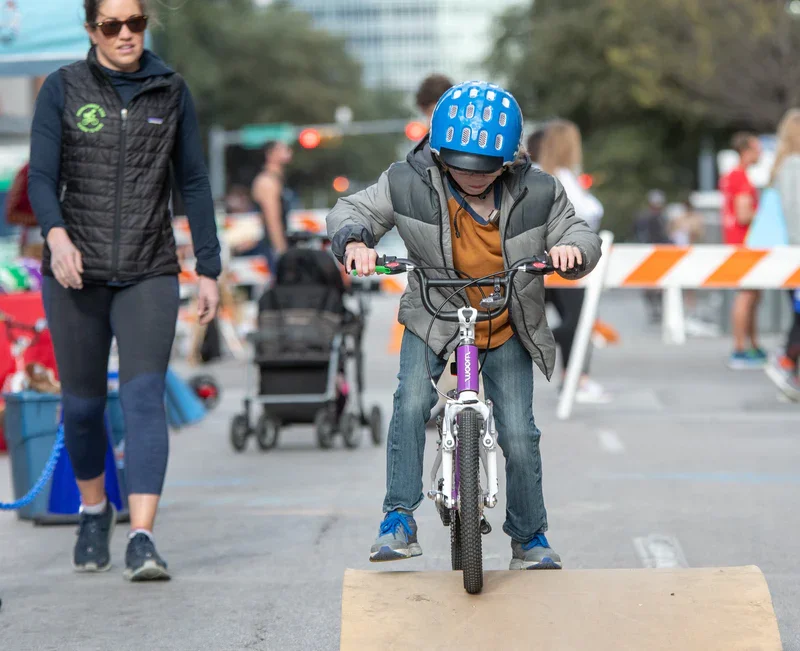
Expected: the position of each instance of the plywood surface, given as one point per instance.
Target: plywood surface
(706, 609)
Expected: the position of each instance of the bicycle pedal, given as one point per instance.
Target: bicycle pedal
(485, 526)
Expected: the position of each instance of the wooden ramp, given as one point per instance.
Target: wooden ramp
(714, 609)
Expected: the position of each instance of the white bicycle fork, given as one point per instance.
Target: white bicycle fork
(446, 498)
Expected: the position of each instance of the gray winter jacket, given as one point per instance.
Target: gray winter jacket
(535, 216)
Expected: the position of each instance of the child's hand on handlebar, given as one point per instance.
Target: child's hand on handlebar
(566, 257)
(357, 256)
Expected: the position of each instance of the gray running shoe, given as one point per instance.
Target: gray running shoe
(397, 539)
(142, 562)
(534, 555)
(92, 552)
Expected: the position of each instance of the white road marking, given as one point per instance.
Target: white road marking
(658, 550)
(610, 442)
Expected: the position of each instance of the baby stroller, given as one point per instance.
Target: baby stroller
(306, 336)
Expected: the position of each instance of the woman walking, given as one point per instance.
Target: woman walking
(783, 370)
(560, 153)
(104, 134)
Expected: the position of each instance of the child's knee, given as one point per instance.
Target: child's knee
(415, 402)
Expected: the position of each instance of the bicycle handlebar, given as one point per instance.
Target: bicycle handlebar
(391, 265)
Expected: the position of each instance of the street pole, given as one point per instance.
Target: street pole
(216, 162)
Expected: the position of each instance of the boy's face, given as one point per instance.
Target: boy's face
(473, 182)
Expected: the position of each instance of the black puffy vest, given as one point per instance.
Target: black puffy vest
(114, 185)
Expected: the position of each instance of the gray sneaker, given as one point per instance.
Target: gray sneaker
(91, 553)
(397, 539)
(534, 555)
(142, 562)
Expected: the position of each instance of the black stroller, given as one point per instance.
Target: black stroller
(305, 338)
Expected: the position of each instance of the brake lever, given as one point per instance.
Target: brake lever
(541, 266)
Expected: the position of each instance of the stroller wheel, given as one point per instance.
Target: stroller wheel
(376, 425)
(350, 429)
(207, 389)
(324, 427)
(240, 430)
(266, 432)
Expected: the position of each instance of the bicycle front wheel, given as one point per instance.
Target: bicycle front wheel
(469, 489)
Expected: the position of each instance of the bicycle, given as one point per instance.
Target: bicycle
(467, 433)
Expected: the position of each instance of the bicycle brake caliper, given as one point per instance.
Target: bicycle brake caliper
(489, 449)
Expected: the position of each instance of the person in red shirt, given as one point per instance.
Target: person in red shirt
(740, 201)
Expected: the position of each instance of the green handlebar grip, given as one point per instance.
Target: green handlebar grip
(378, 270)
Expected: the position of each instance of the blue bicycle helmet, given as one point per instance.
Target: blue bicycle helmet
(476, 126)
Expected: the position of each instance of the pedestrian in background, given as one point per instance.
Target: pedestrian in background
(739, 205)
(274, 200)
(685, 227)
(105, 132)
(650, 227)
(783, 369)
(429, 92)
(560, 153)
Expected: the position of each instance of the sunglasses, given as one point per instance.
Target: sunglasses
(137, 24)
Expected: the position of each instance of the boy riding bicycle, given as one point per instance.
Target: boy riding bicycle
(465, 199)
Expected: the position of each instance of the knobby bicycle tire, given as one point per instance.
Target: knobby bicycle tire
(469, 496)
(455, 543)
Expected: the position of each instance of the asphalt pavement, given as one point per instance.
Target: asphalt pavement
(692, 464)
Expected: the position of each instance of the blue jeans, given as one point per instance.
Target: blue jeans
(508, 383)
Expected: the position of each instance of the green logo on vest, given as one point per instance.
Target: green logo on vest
(89, 118)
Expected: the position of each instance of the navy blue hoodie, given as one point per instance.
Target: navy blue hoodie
(187, 158)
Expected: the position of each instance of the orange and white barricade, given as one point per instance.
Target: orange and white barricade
(672, 269)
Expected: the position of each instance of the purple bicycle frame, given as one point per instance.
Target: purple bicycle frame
(467, 370)
(467, 366)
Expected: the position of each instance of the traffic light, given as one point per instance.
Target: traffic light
(416, 131)
(309, 138)
(341, 184)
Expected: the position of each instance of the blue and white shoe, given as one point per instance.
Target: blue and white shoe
(747, 359)
(534, 555)
(397, 539)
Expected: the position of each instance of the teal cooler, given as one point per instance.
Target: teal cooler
(31, 424)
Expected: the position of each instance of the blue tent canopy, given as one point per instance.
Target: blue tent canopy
(39, 36)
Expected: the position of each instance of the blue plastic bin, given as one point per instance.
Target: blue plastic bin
(31, 424)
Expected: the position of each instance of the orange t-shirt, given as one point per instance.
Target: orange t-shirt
(477, 252)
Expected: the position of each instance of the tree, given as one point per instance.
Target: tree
(247, 65)
(555, 57)
(732, 63)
